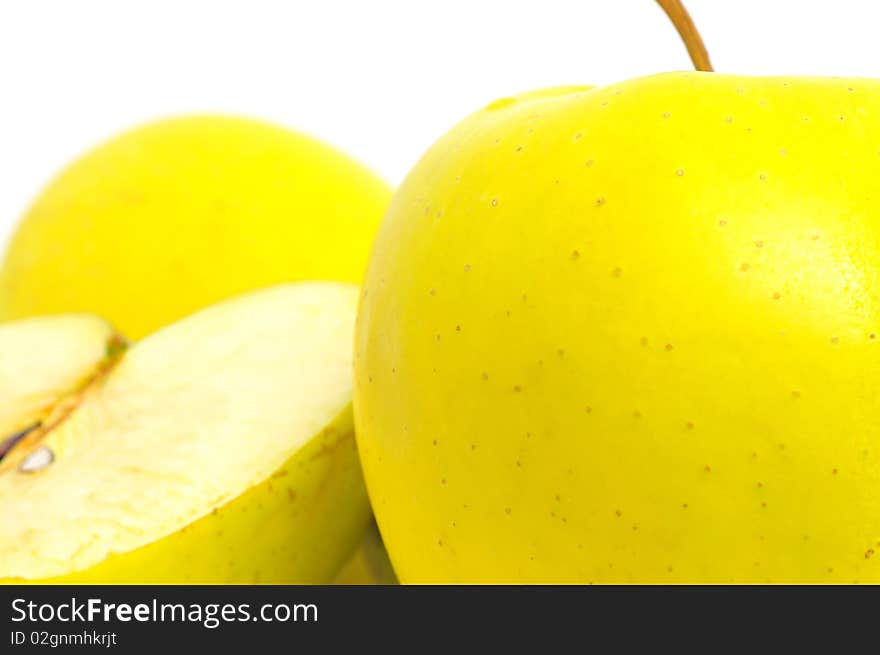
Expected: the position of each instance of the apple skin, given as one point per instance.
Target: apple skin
(181, 213)
(369, 565)
(629, 334)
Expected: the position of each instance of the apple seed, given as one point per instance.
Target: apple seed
(37, 460)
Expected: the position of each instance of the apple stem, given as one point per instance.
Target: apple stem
(682, 21)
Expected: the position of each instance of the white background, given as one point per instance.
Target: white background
(380, 79)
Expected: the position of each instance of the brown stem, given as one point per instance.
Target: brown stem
(688, 33)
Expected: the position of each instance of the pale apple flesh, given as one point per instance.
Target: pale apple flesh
(631, 335)
(213, 451)
(43, 360)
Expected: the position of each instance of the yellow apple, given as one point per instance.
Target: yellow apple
(180, 213)
(630, 334)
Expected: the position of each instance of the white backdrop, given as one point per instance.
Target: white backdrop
(379, 78)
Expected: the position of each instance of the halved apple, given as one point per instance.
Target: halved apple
(218, 450)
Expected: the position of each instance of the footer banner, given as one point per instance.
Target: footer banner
(272, 618)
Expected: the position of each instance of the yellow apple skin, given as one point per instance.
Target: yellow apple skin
(631, 335)
(181, 213)
(369, 565)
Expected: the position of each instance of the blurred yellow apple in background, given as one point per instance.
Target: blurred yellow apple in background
(180, 213)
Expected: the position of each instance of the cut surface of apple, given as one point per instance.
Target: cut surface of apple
(41, 361)
(219, 449)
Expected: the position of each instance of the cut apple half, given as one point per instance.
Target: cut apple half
(218, 450)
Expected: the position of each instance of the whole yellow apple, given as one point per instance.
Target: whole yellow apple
(630, 334)
(184, 212)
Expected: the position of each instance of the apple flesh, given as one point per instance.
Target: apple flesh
(42, 361)
(218, 450)
(629, 334)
